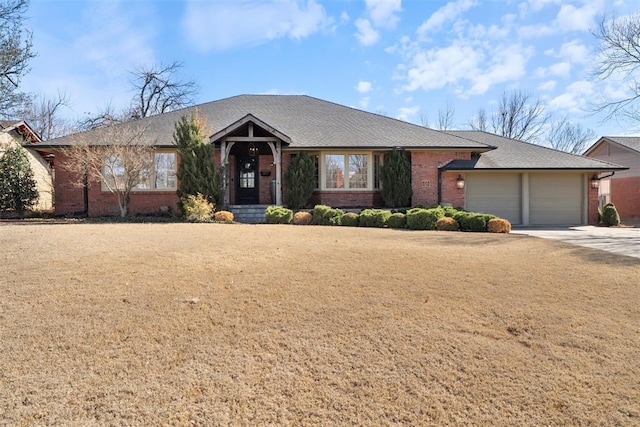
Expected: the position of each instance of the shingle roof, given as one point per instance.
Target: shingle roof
(309, 123)
(7, 123)
(631, 142)
(514, 154)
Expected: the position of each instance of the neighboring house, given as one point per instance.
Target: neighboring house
(257, 135)
(622, 188)
(15, 133)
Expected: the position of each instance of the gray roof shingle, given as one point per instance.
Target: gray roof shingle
(514, 154)
(309, 123)
(631, 142)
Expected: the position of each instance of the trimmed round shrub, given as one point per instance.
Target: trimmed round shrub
(498, 225)
(278, 215)
(223, 216)
(450, 211)
(610, 216)
(423, 219)
(323, 214)
(447, 223)
(197, 208)
(350, 219)
(374, 218)
(302, 218)
(397, 220)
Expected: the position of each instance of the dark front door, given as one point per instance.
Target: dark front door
(247, 181)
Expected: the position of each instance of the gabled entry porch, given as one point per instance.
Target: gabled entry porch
(251, 162)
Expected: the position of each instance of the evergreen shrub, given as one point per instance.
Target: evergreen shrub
(278, 215)
(17, 184)
(397, 220)
(300, 180)
(197, 208)
(374, 218)
(610, 216)
(302, 218)
(395, 176)
(350, 219)
(323, 214)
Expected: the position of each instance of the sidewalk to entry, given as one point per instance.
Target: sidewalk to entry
(618, 240)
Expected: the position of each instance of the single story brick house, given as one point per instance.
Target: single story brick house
(256, 136)
(17, 132)
(621, 188)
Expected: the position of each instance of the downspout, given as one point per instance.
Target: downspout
(439, 186)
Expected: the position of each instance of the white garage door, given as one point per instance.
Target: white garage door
(555, 198)
(494, 193)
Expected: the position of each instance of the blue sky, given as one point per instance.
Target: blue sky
(405, 59)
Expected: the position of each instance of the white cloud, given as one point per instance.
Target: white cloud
(364, 102)
(575, 51)
(363, 86)
(445, 14)
(366, 34)
(508, 63)
(223, 25)
(547, 86)
(575, 99)
(572, 18)
(383, 12)
(407, 113)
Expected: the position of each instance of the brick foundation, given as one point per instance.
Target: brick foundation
(625, 194)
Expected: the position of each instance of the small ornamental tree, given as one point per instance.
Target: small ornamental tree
(196, 171)
(17, 184)
(299, 180)
(395, 174)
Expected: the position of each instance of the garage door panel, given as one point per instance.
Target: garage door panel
(555, 199)
(496, 194)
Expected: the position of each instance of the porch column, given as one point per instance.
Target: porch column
(225, 150)
(276, 149)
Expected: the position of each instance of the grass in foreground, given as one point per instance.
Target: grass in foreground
(207, 324)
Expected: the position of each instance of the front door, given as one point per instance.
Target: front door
(247, 190)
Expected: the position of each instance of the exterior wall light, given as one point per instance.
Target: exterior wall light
(460, 182)
(253, 150)
(595, 181)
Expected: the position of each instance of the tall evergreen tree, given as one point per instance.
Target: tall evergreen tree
(395, 174)
(196, 170)
(300, 180)
(17, 184)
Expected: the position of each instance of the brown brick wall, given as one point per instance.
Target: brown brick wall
(592, 204)
(424, 177)
(69, 198)
(348, 199)
(625, 194)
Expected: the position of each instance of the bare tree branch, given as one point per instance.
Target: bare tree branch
(619, 59)
(160, 90)
(445, 117)
(480, 122)
(113, 156)
(44, 118)
(571, 138)
(519, 117)
(15, 53)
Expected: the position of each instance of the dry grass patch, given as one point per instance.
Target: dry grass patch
(206, 324)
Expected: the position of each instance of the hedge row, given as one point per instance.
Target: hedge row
(417, 218)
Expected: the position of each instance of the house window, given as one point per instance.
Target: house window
(348, 171)
(377, 163)
(161, 176)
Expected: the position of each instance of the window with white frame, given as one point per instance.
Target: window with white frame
(349, 171)
(161, 176)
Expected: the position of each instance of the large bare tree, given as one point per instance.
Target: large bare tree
(517, 116)
(160, 89)
(15, 53)
(43, 115)
(619, 58)
(116, 155)
(569, 137)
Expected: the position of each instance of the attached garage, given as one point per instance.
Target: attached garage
(495, 193)
(556, 198)
(545, 198)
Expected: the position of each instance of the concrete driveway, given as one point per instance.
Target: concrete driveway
(623, 241)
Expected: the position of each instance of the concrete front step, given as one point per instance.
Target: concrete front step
(249, 214)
